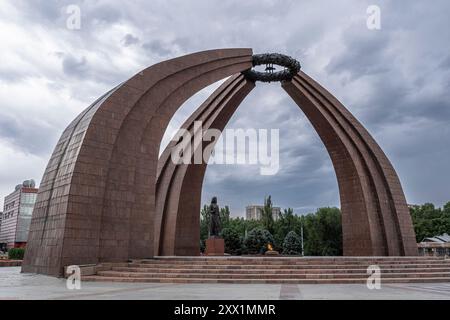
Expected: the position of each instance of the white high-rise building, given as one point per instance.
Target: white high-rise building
(16, 217)
(254, 212)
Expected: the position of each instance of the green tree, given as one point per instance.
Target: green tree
(257, 240)
(446, 210)
(224, 216)
(286, 222)
(292, 244)
(430, 221)
(266, 215)
(233, 241)
(243, 226)
(323, 232)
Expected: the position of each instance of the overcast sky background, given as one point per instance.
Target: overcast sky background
(396, 81)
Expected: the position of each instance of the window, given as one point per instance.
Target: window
(9, 206)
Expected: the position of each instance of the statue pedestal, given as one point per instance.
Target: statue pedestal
(215, 247)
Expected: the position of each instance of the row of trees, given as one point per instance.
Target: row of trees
(322, 232)
(430, 221)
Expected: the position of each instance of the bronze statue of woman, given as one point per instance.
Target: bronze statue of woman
(214, 214)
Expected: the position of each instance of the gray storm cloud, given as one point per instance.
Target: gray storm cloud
(395, 80)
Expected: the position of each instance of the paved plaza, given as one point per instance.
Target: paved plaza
(15, 285)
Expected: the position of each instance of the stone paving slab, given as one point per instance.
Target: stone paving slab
(15, 285)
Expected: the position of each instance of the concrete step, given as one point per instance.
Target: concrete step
(287, 258)
(285, 262)
(264, 281)
(277, 271)
(10, 263)
(270, 275)
(273, 270)
(281, 257)
(284, 266)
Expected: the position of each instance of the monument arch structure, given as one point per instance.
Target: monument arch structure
(106, 196)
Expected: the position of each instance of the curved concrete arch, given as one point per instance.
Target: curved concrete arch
(178, 187)
(376, 220)
(96, 202)
(105, 195)
(375, 216)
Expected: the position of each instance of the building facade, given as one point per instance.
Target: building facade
(254, 212)
(435, 246)
(17, 212)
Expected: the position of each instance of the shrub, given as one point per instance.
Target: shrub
(16, 253)
(292, 244)
(233, 242)
(257, 240)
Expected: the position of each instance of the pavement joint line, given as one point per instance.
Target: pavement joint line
(419, 289)
(290, 292)
(122, 290)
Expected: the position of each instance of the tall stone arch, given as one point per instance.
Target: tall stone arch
(375, 216)
(179, 186)
(376, 219)
(96, 200)
(105, 195)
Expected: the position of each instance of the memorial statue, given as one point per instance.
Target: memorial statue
(214, 214)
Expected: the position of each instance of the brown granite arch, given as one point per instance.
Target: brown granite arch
(96, 201)
(178, 187)
(105, 195)
(376, 220)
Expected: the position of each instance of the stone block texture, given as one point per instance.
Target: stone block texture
(97, 198)
(375, 216)
(179, 187)
(215, 247)
(106, 196)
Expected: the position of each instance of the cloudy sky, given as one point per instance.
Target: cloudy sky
(396, 81)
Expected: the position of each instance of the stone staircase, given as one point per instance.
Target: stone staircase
(296, 270)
